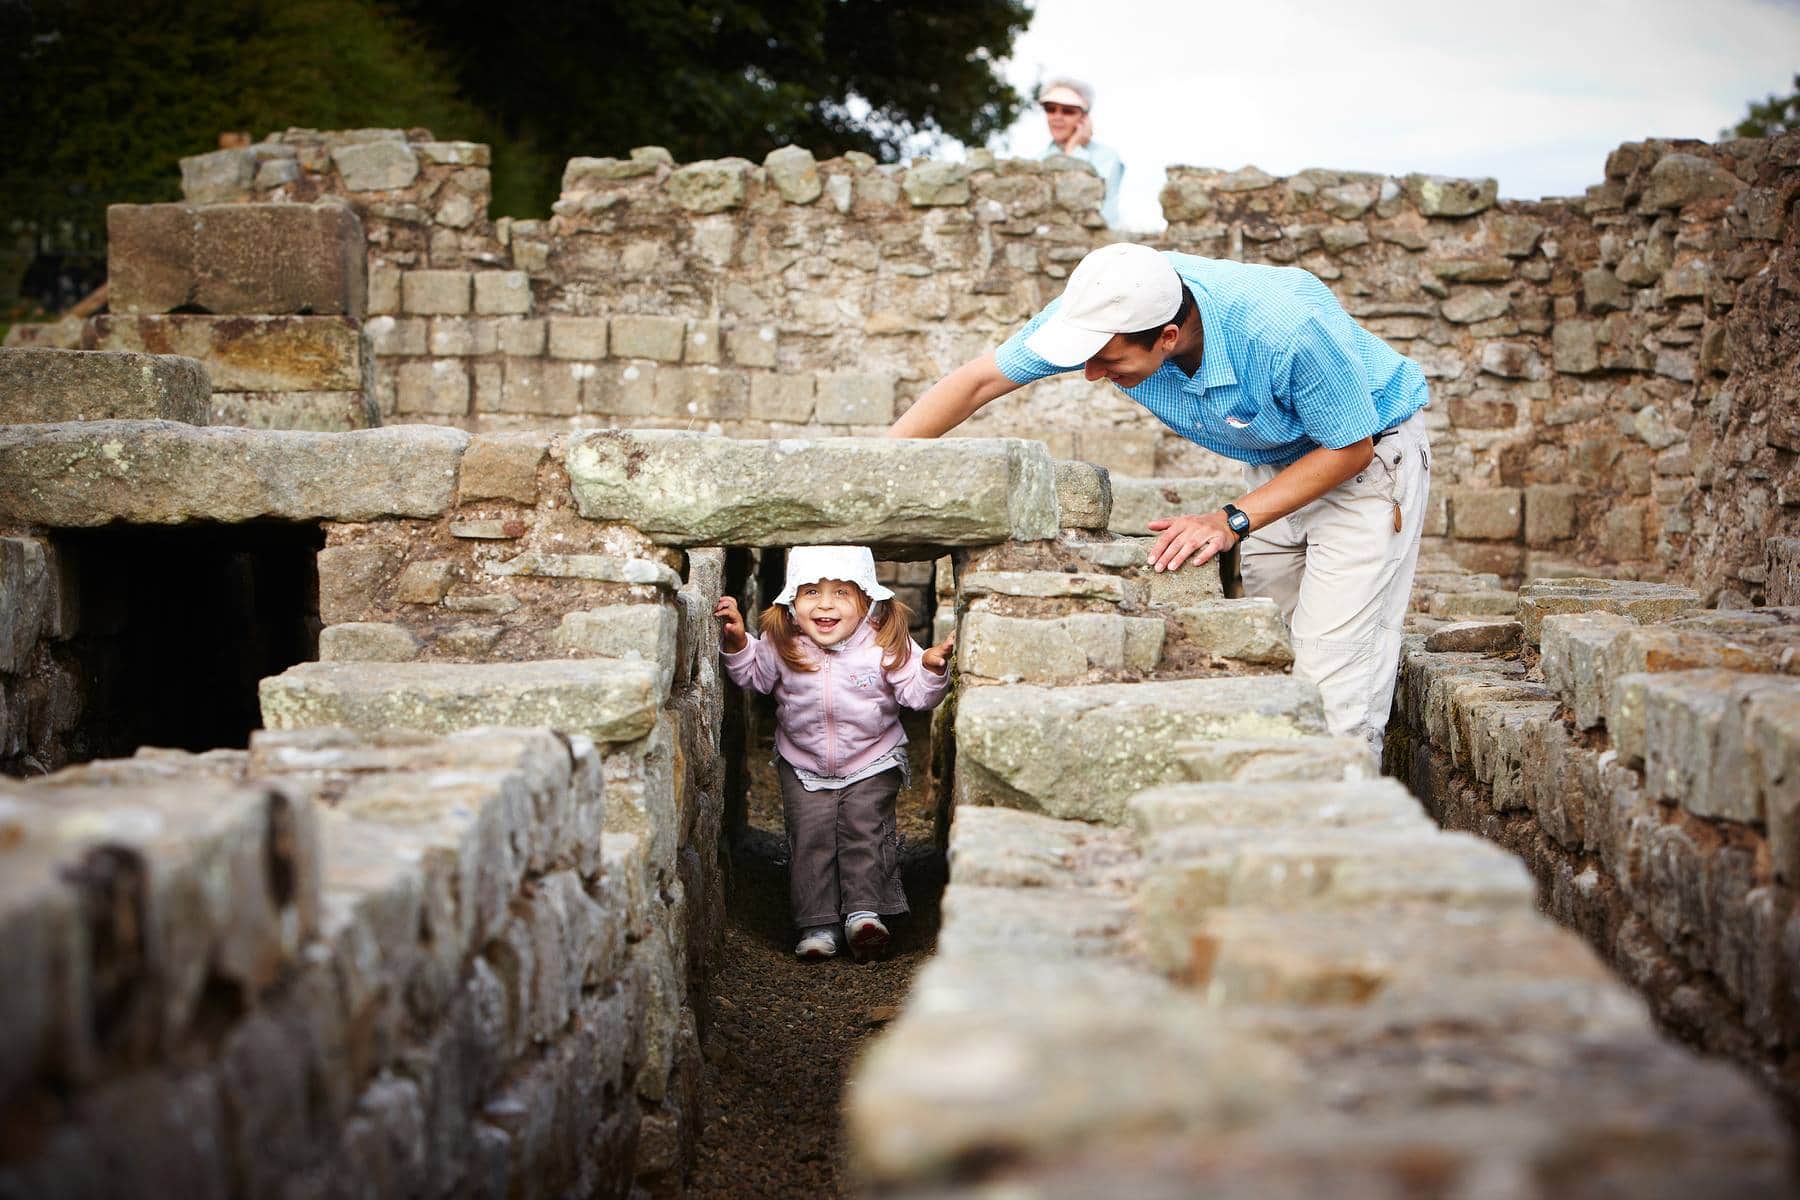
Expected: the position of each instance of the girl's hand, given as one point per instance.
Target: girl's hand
(938, 657)
(731, 625)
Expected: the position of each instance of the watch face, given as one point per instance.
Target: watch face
(1238, 520)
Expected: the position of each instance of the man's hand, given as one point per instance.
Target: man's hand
(1201, 538)
(938, 657)
(731, 625)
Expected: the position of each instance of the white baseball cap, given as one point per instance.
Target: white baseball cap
(810, 564)
(1121, 288)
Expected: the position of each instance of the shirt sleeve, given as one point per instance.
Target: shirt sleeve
(755, 666)
(914, 686)
(1018, 363)
(1322, 376)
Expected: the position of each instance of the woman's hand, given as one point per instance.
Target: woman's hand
(937, 659)
(1084, 132)
(731, 625)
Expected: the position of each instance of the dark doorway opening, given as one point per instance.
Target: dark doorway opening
(175, 627)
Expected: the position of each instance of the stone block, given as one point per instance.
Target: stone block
(440, 388)
(1052, 584)
(502, 293)
(1137, 502)
(502, 466)
(604, 568)
(1443, 196)
(44, 386)
(26, 601)
(578, 337)
(1468, 306)
(249, 354)
(708, 187)
(1549, 513)
(436, 293)
(1462, 606)
(219, 177)
(855, 399)
(605, 699)
(1083, 495)
(262, 259)
(1273, 760)
(1038, 651)
(1643, 603)
(1681, 179)
(693, 490)
(1190, 586)
(1684, 712)
(1495, 513)
(642, 632)
(1575, 655)
(1575, 347)
(1123, 451)
(702, 343)
(425, 581)
(1080, 752)
(154, 473)
(930, 184)
(313, 412)
(1249, 630)
(795, 174)
(367, 641)
(378, 166)
(656, 338)
(1490, 636)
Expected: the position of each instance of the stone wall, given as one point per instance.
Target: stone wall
(1611, 373)
(1639, 756)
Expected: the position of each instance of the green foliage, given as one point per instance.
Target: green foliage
(735, 78)
(1777, 114)
(103, 96)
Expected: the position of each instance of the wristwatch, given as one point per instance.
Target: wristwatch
(1238, 519)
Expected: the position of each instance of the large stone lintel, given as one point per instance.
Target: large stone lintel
(163, 473)
(687, 489)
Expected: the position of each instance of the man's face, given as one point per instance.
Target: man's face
(1127, 365)
(1063, 118)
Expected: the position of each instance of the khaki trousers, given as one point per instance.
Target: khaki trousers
(1343, 575)
(843, 848)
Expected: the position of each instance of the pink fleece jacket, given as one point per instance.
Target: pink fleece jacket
(846, 714)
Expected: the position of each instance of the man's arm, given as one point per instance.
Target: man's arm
(954, 399)
(1291, 489)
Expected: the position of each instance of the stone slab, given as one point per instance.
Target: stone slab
(1574, 654)
(608, 700)
(163, 473)
(249, 354)
(1137, 502)
(1644, 603)
(689, 489)
(263, 259)
(1247, 630)
(1081, 752)
(42, 386)
(1276, 759)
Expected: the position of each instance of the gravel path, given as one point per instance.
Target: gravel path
(784, 1033)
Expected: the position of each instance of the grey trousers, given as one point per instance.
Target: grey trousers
(843, 848)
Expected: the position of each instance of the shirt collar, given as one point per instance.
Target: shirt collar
(1215, 365)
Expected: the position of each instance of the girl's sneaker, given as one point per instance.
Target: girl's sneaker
(818, 943)
(867, 935)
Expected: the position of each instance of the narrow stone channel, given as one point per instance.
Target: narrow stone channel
(785, 1034)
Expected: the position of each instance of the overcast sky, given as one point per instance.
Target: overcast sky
(1532, 92)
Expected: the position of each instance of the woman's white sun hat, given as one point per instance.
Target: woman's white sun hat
(810, 564)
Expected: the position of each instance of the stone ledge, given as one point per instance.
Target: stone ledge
(248, 353)
(607, 700)
(1137, 502)
(46, 386)
(238, 258)
(1644, 603)
(686, 489)
(163, 473)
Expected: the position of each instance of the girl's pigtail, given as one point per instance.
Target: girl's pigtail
(778, 627)
(893, 633)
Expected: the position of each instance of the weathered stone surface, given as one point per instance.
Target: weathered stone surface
(1058, 584)
(311, 412)
(1137, 502)
(44, 386)
(1575, 659)
(1476, 637)
(708, 187)
(1343, 759)
(606, 568)
(1486, 512)
(237, 258)
(1644, 603)
(161, 473)
(795, 174)
(1681, 179)
(249, 354)
(1058, 649)
(605, 699)
(1443, 196)
(502, 466)
(1470, 305)
(1080, 751)
(1248, 630)
(928, 184)
(642, 632)
(223, 175)
(377, 166)
(25, 600)
(1462, 606)
(1083, 495)
(1184, 587)
(690, 489)
(367, 641)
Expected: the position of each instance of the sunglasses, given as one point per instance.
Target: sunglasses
(1057, 110)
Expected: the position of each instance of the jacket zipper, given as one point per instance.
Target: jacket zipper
(830, 726)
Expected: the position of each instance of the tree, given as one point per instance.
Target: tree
(1777, 114)
(601, 76)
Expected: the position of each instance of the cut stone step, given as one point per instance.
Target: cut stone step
(44, 386)
(1644, 603)
(251, 354)
(1328, 759)
(1081, 752)
(161, 473)
(689, 489)
(1137, 502)
(608, 700)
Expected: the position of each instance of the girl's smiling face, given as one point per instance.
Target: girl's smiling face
(830, 610)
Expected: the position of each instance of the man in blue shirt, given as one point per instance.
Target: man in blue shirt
(1263, 365)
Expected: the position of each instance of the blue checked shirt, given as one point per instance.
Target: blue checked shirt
(1284, 368)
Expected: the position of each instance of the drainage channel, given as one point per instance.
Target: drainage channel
(784, 1034)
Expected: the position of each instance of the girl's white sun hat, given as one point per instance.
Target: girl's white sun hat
(810, 564)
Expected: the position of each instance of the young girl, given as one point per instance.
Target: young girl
(836, 654)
